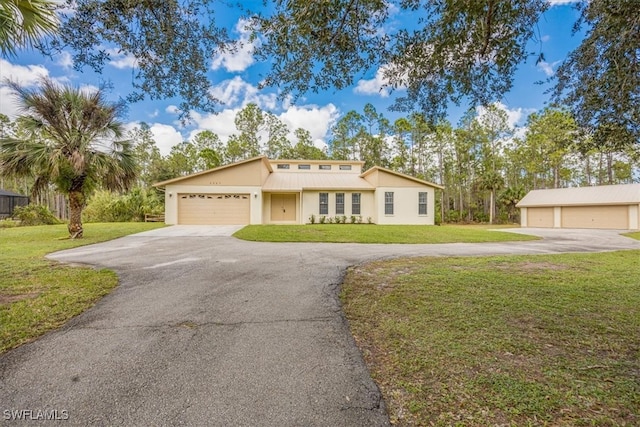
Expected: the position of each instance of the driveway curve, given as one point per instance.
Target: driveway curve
(217, 331)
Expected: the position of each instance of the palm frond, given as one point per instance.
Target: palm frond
(73, 136)
(24, 22)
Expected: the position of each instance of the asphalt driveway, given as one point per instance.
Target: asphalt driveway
(217, 331)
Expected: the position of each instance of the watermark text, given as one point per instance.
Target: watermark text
(35, 414)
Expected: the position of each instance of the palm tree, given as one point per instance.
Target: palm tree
(73, 142)
(24, 22)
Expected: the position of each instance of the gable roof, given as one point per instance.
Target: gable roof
(620, 194)
(401, 175)
(264, 160)
(297, 181)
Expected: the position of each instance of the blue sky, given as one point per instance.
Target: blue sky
(235, 78)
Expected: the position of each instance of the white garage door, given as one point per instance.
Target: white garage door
(540, 217)
(612, 217)
(214, 209)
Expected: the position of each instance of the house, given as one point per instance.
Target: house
(606, 206)
(10, 200)
(264, 191)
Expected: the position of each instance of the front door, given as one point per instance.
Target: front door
(283, 207)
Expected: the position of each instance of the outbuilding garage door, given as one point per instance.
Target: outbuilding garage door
(214, 209)
(540, 217)
(612, 217)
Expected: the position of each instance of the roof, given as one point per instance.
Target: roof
(317, 162)
(309, 180)
(11, 193)
(401, 175)
(298, 181)
(620, 194)
(230, 165)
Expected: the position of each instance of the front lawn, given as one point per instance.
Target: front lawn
(37, 295)
(633, 235)
(369, 233)
(509, 340)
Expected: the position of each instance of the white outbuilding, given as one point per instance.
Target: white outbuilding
(606, 206)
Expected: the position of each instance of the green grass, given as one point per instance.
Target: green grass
(367, 233)
(37, 295)
(633, 235)
(510, 340)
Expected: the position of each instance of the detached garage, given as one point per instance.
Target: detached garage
(614, 207)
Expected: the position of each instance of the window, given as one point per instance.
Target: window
(283, 166)
(324, 167)
(324, 203)
(422, 203)
(388, 202)
(339, 203)
(355, 204)
(304, 166)
(345, 167)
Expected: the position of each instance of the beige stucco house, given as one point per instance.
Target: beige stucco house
(607, 206)
(264, 191)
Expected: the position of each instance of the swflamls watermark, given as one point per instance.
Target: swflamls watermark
(35, 414)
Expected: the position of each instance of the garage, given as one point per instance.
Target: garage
(540, 217)
(612, 207)
(214, 209)
(612, 217)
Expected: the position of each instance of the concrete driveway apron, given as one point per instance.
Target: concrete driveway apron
(217, 331)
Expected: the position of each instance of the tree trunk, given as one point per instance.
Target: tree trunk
(588, 169)
(76, 204)
(610, 167)
(491, 206)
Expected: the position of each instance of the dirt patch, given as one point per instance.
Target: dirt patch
(8, 299)
(531, 266)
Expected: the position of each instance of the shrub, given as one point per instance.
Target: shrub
(105, 206)
(312, 219)
(35, 215)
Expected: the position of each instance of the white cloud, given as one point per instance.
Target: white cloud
(236, 92)
(375, 86)
(120, 60)
(241, 58)
(561, 2)
(64, 60)
(166, 136)
(24, 75)
(514, 116)
(545, 38)
(317, 120)
(547, 68)
(222, 124)
(172, 109)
